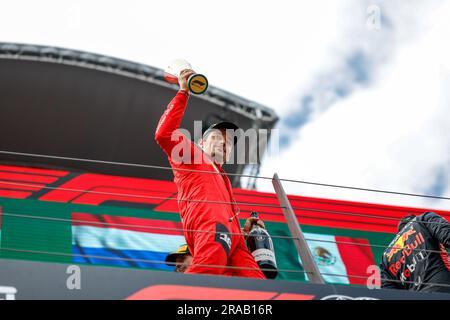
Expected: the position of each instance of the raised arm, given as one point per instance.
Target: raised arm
(170, 121)
(172, 116)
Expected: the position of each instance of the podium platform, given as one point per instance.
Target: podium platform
(40, 280)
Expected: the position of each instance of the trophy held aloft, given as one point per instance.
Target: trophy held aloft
(197, 83)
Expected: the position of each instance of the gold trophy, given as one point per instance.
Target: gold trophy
(197, 83)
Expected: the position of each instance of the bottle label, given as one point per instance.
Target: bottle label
(264, 254)
(259, 233)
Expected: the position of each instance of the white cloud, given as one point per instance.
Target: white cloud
(392, 135)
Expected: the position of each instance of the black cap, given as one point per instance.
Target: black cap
(181, 251)
(222, 125)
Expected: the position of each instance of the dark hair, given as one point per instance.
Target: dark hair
(404, 221)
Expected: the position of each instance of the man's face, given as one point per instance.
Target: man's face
(217, 144)
(183, 262)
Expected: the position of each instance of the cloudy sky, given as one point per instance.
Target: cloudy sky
(360, 86)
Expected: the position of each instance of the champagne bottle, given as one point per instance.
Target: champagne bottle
(260, 245)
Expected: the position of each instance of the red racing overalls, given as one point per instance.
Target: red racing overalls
(205, 201)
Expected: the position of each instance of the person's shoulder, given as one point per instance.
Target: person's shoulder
(429, 215)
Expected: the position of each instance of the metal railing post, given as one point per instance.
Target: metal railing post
(309, 264)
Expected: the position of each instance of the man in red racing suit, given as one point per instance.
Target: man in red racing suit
(205, 198)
